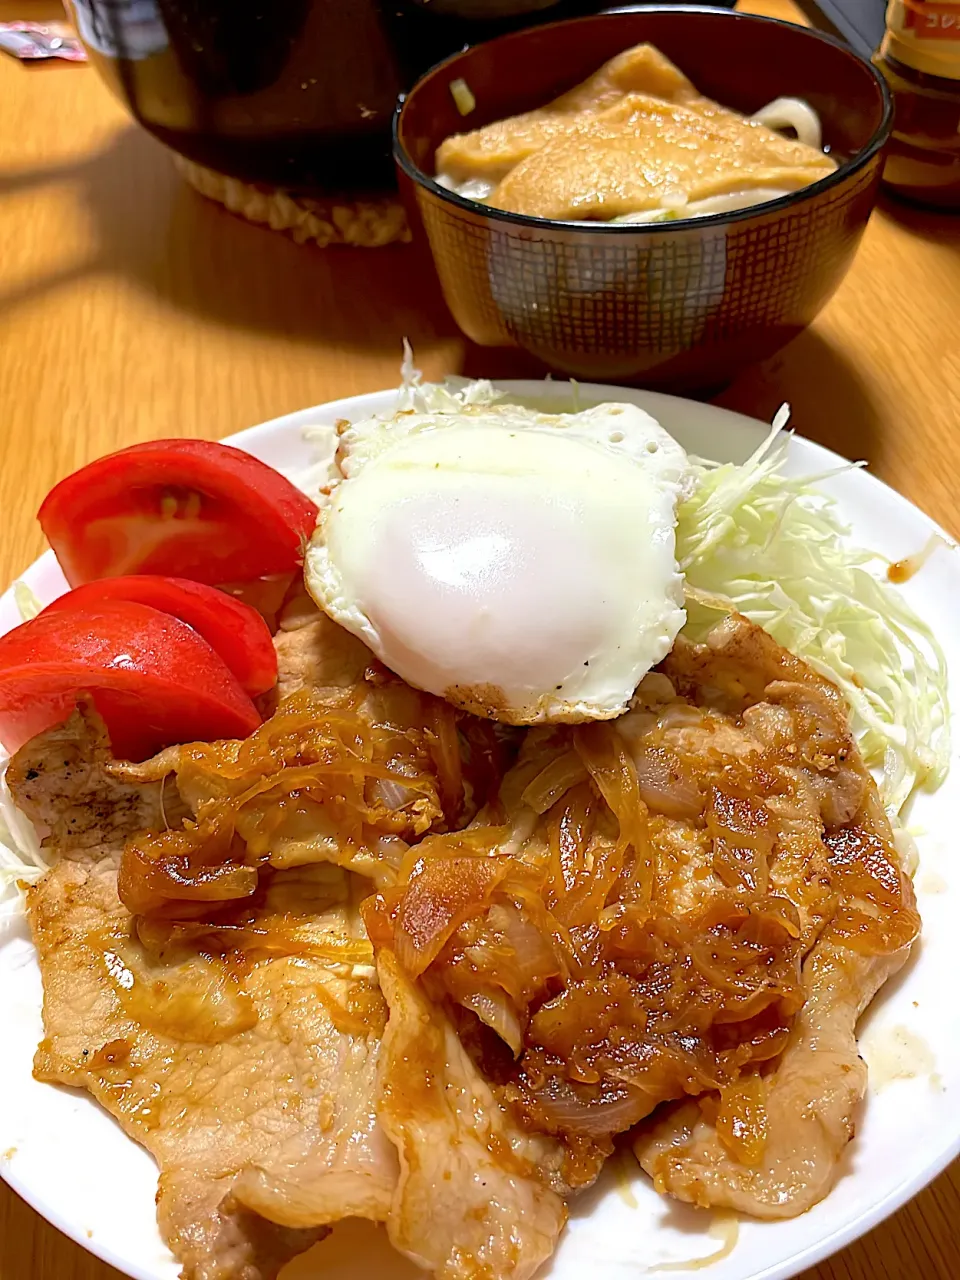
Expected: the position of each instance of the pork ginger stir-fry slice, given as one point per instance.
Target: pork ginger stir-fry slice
(353, 766)
(237, 1035)
(471, 1200)
(806, 1109)
(629, 926)
(796, 1123)
(689, 906)
(251, 1078)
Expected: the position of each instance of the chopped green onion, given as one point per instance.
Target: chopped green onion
(462, 96)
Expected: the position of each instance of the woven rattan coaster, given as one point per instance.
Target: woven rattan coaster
(365, 223)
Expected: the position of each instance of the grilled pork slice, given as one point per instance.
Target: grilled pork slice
(249, 1076)
(694, 902)
(218, 995)
(809, 1104)
(691, 905)
(860, 922)
(472, 1200)
(353, 766)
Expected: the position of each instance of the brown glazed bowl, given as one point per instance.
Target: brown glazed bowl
(686, 305)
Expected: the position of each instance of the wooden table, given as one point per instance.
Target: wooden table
(130, 308)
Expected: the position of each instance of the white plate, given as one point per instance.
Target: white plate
(70, 1160)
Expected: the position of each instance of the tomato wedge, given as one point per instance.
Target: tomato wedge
(230, 627)
(182, 508)
(154, 680)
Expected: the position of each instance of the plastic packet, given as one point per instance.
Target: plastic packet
(36, 41)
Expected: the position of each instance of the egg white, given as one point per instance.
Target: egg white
(520, 564)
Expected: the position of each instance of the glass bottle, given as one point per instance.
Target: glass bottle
(920, 58)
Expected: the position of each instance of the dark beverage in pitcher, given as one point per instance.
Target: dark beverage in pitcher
(291, 93)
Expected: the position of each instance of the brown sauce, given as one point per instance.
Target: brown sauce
(902, 571)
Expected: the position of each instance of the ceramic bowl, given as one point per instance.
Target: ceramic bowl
(683, 305)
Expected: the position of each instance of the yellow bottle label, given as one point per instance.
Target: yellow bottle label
(933, 21)
(925, 35)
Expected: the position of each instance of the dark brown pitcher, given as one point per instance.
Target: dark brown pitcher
(292, 93)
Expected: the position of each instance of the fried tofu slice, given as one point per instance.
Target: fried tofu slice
(633, 138)
(490, 153)
(640, 154)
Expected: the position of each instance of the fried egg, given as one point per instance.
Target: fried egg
(520, 564)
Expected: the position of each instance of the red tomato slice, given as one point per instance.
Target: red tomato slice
(152, 678)
(183, 508)
(230, 627)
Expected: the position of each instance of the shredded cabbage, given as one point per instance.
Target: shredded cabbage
(26, 600)
(21, 860)
(775, 548)
(450, 396)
